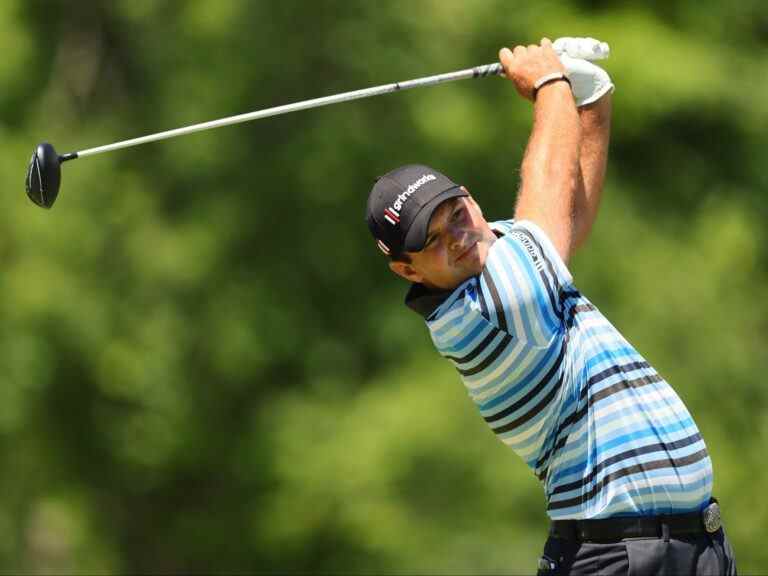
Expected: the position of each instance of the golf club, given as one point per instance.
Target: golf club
(44, 173)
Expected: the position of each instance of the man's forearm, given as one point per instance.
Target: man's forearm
(595, 138)
(550, 171)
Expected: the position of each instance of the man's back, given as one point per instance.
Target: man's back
(560, 385)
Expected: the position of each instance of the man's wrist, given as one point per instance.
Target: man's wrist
(598, 112)
(554, 90)
(549, 80)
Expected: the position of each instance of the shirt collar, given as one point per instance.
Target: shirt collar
(425, 301)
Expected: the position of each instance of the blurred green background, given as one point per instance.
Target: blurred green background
(205, 365)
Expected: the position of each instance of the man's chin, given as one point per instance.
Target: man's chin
(468, 265)
(473, 260)
(463, 273)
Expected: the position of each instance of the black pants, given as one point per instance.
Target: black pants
(691, 554)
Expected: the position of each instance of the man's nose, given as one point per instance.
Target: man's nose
(456, 235)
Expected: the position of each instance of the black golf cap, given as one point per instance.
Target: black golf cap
(401, 204)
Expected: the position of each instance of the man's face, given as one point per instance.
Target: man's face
(456, 248)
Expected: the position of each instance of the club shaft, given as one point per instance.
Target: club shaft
(476, 72)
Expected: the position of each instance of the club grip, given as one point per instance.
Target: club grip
(494, 69)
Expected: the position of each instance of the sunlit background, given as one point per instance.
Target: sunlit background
(205, 365)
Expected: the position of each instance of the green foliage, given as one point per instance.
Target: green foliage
(205, 364)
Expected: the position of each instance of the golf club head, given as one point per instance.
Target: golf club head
(44, 175)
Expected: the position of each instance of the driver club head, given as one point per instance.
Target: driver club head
(44, 175)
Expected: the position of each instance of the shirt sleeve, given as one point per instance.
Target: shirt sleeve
(522, 283)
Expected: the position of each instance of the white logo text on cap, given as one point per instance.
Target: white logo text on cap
(392, 213)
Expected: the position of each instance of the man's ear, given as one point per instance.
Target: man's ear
(405, 270)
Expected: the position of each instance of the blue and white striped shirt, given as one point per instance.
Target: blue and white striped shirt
(558, 384)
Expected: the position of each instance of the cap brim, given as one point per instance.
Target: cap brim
(417, 233)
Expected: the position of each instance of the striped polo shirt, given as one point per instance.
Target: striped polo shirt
(557, 383)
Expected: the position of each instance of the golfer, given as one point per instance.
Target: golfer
(626, 473)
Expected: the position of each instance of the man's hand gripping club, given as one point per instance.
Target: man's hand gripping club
(588, 81)
(532, 67)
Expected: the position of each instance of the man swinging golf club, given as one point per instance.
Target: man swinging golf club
(626, 474)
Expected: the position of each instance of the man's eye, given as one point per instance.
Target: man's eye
(456, 214)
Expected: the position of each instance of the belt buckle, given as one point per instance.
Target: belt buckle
(710, 517)
(546, 565)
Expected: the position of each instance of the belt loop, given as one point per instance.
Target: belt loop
(665, 529)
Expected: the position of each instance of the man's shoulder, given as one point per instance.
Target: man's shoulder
(502, 227)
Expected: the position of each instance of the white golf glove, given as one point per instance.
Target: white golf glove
(584, 48)
(589, 82)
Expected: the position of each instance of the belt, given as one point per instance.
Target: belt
(662, 526)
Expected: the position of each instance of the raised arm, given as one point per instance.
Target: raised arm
(595, 138)
(550, 173)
